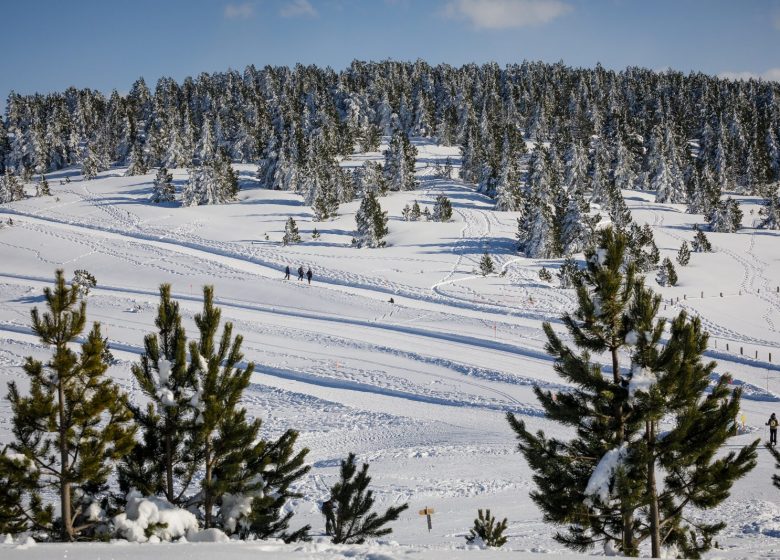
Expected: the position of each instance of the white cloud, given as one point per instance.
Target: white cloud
(506, 14)
(773, 74)
(239, 11)
(298, 8)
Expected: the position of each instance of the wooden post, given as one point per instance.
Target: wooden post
(702, 295)
(427, 512)
(740, 350)
(727, 347)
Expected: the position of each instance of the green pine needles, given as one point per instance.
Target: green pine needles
(487, 531)
(74, 425)
(354, 520)
(647, 433)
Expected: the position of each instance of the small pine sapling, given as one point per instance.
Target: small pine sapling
(42, 188)
(684, 254)
(83, 281)
(442, 209)
(545, 275)
(291, 234)
(487, 530)
(700, 243)
(486, 265)
(315, 234)
(354, 520)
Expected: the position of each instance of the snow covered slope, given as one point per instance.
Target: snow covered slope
(417, 388)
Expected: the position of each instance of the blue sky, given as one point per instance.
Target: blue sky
(48, 45)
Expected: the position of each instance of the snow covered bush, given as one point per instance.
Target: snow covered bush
(486, 532)
(151, 516)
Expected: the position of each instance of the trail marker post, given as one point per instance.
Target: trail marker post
(427, 512)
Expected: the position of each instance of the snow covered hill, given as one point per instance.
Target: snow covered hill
(418, 387)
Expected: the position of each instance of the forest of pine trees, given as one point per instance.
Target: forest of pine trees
(688, 137)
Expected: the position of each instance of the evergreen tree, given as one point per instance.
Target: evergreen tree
(487, 531)
(545, 275)
(568, 273)
(83, 281)
(165, 460)
(282, 467)
(486, 265)
(399, 163)
(73, 426)
(597, 408)
(770, 211)
(700, 243)
(355, 522)
(725, 217)
(684, 254)
(137, 164)
(371, 223)
(683, 468)
(42, 188)
(11, 188)
(291, 234)
(442, 209)
(667, 275)
(225, 439)
(163, 189)
(19, 480)
(415, 213)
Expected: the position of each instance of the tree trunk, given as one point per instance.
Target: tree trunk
(67, 521)
(627, 514)
(652, 492)
(207, 497)
(168, 465)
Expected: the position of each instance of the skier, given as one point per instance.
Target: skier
(300, 272)
(772, 423)
(309, 274)
(287, 272)
(328, 510)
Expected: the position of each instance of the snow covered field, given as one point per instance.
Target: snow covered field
(417, 388)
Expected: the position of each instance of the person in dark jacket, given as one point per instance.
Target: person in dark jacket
(300, 272)
(328, 510)
(309, 274)
(287, 272)
(772, 423)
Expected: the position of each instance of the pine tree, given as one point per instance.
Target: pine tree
(414, 213)
(42, 188)
(725, 216)
(291, 234)
(163, 189)
(355, 522)
(596, 408)
(371, 223)
(487, 530)
(165, 460)
(137, 164)
(667, 275)
(684, 254)
(83, 281)
(770, 211)
(545, 275)
(700, 243)
(399, 163)
(282, 467)
(683, 468)
(568, 273)
(224, 437)
(73, 425)
(20, 506)
(10, 188)
(442, 209)
(486, 265)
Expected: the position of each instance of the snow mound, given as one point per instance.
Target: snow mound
(152, 514)
(207, 535)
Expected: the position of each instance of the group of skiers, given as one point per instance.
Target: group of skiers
(308, 274)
